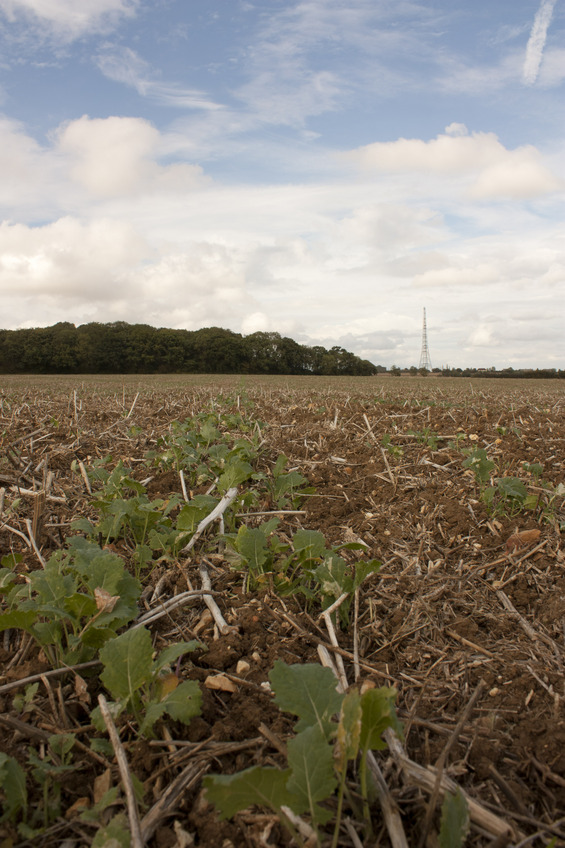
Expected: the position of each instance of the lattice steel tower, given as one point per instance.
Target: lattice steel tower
(425, 361)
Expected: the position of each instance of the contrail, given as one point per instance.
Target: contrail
(536, 42)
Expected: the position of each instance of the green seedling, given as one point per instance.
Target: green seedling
(305, 565)
(318, 756)
(508, 497)
(425, 437)
(533, 468)
(478, 462)
(287, 489)
(73, 605)
(13, 792)
(144, 687)
(394, 450)
(455, 821)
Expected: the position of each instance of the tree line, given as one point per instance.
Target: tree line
(122, 348)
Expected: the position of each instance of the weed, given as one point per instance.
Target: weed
(144, 687)
(318, 756)
(75, 604)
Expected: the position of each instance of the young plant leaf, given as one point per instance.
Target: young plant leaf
(116, 834)
(348, 729)
(252, 546)
(313, 779)
(309, 542)
(378, 713)
(13, 786)
(127, 662)
(256, 786)
(308, 691)
(236, 472)
(18, 619)
(173, 652)
(455, 821)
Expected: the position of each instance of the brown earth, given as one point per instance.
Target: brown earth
(465, 627)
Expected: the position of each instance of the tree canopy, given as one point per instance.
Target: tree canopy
(122, 348)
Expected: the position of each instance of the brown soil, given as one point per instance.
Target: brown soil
(452, 613)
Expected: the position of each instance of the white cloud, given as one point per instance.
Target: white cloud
(68, 259)
(70, 19)
(116, 156)
(124, 65)
(536, 42)
(495, 170)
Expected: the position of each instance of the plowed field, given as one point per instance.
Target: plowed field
(465, 618)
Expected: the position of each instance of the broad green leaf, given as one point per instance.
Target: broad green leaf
(236, 472)
(173, 652)
(61, 743)
(153, 713)
(52, 587)
(512, 487)
(184, 702)
(252, 546)
(94, 637)
(332, 577)
(455, 821)
(10, 560)
(349, 729)
(310, 542)
(280, 465)
(285, 484)
(80, 606)
(308, 691)
(18, 619)
(83, 525)
(13, 785)
(127, 662)
(116, 834)
(378, 713)
(313, 778)
(256, 786)
(192, 514)
(49, 632)
(363, 569)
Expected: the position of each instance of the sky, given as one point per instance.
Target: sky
(324, 169)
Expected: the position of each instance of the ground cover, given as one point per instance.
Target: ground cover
(425, 514)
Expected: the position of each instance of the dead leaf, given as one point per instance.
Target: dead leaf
(167, 684)
(184, 838)
(79, 806)
(221, 682)
(81, 689)
(105, 602)
(522, 540)
(102, 784)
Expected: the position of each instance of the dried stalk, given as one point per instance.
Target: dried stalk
(137, 840)
(218, 510)
(426, 779)
(219, 619)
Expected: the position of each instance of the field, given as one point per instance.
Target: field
(405, 534)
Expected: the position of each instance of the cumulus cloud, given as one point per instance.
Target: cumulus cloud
(115, 156)
(70, 19)
(68, 259)
(496, 171)
(536, 42)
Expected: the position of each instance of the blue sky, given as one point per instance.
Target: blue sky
(324, 169)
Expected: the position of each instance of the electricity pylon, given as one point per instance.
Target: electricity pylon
(425, 361)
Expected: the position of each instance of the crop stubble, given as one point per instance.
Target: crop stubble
(450, 607)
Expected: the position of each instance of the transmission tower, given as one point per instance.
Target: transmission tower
(425, 361)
